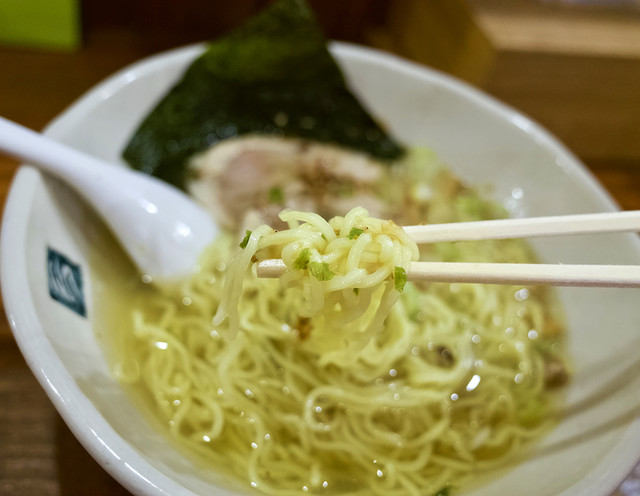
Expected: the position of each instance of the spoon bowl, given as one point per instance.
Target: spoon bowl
(160, 227)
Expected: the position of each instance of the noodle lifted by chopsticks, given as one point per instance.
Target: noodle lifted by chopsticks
(350, 269)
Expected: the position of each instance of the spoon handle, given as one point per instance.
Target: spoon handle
(81, 171)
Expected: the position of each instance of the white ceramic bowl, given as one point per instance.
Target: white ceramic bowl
(592, 450)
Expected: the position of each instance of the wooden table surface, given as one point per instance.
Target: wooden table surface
(38, 454)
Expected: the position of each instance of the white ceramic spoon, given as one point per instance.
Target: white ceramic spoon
(159, 226)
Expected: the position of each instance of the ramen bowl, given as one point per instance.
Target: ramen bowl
(57, 262)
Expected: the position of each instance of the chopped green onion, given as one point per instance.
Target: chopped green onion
(302, 261)
(321, 271)
(400, 277)
(245, 240)
(443, 492)
(276, 195)
(356, 291)
(355, 232)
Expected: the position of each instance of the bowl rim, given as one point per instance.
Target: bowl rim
(96, 435)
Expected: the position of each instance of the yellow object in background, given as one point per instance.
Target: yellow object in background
(49, 24)
(442, 34)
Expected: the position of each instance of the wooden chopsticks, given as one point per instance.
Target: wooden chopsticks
(622, 276)
(527, 227)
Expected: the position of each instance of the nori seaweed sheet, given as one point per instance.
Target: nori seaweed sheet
(273, 75)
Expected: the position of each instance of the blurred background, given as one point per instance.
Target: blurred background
(572, 65)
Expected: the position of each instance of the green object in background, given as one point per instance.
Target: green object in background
(49, 24)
